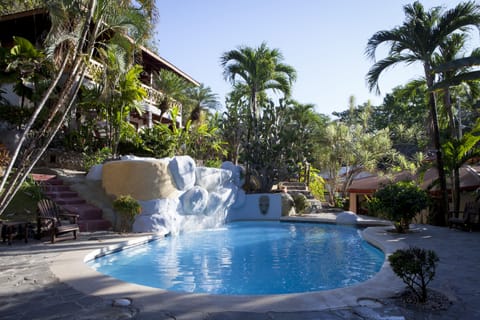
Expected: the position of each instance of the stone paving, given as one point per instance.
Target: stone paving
(30, 290)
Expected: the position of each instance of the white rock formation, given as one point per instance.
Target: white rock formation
(346, 217)
(182, 168)
(175, 195)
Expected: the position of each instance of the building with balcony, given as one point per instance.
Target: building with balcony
(34, 26)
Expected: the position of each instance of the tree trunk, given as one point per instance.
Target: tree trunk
(65, 101)
(456, 169)
(440, 218)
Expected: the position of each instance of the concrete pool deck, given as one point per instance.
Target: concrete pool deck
(40, 280)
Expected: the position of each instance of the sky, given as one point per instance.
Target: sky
(323, 40)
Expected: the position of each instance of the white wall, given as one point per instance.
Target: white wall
(250, 210)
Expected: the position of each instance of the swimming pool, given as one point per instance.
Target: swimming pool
(249, 258)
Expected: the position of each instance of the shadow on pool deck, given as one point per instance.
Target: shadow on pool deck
(36, 280)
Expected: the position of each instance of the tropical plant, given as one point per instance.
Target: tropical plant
(457, 152)
(459, 64)
(116, 92)
(399, 202)
(78, 27)
(417, 40)
(10, 7)
(350, 149)
(29, 70)
(204, 139)
(97, 157)
(253, 72)
(301, 203)
(201, 98)
(174, 90)
(317, 186)
(127, 207)
(416, 267)
(233, 128)
(259, 69)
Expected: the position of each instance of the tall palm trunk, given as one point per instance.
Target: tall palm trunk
(447, 101)
(48, 130)
(440, 215)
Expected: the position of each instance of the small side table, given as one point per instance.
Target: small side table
(12, 228)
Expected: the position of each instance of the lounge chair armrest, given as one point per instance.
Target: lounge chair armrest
(69, 215)
(47, 218)
(73, 216)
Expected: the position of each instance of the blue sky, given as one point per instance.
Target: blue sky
(323, 40)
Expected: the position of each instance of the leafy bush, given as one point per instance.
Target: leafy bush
(89, 160)
(300, 202)
(399, 202)
(317, 186)
(128, 208)
(416, 267)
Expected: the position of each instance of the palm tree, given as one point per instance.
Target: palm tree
(253, 72)
(173, 88)
(259, 69)
(417, 40)
(117, 91)
(201, 98)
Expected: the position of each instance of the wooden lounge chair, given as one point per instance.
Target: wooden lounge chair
(54, 221)
(469, 218)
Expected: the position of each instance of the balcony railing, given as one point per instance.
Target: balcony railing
(153, 98)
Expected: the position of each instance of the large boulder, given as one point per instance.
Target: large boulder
(219, 201)
(211, 178)
(240, 198)
(142, 179)
(158, 216)
(95, 172)
(346, 217)
(194, 201)
(155, 206)
(237, 173)
(182, 169)
(288, 205)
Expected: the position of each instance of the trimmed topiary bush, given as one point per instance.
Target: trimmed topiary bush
(416, 267)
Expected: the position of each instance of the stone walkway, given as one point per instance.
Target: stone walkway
(30, 290)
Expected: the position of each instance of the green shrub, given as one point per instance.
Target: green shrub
(399, 202)
(317, 187)
(89, 160)
(127, 207)
(301, 203)
(416, 267)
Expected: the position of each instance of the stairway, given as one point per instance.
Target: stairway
(89, 216)
(300, 187)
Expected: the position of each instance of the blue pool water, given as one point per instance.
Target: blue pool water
(249, 258)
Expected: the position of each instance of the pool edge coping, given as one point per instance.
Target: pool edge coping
(85, 279)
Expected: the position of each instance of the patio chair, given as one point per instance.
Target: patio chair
(54, 221)
(469, 218)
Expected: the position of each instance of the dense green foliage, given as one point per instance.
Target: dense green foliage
(424, 37)
(416, 267)
(399, 202)
(300, 202)
(127, 207)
